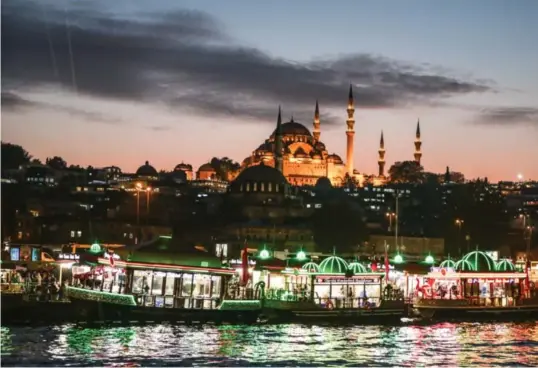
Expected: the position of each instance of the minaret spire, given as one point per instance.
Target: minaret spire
(381, 159)
(418, 144)
(317, 132)
(350, 132)
(278, 142)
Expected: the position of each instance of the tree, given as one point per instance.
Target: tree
(13, 156)
(56, 163)
(406, 172)
(339, 225)
(224, 167)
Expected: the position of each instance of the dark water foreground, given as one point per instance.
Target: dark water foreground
(464, 344)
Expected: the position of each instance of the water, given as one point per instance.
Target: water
(464, 344)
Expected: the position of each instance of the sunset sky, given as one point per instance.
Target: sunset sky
(171, 81)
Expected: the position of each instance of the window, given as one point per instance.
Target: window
(72, 234)
(221, 250)
(262, 187)
(79, 234)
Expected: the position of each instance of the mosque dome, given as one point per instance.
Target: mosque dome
(183, 167)
(357, 268)
(311, 267)
(259, 178)
(333, 264)
(293, 128)
(206, 168)
(146, 170)
(481, 261)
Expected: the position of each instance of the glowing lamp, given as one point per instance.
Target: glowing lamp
(430, 260)
(95, 248)
(264, 254)
(398, 259)
(301, 256)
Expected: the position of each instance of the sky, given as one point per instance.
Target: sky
(167, 81)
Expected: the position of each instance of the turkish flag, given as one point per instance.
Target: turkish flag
(244, 265)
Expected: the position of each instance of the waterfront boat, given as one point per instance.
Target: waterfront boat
(331, 291)
(157, 287)
(476, 288)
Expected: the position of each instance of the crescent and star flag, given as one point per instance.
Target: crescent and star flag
(244, 264)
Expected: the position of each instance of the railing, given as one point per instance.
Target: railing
(170, 301)
(474, 301)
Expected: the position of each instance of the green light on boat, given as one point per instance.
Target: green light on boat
(398, 259)
(430, 260)
(301, 256)
(264, 254)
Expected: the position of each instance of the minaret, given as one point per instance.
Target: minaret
(350, 133)
(447, 175)
(381, 159)
(278, 142)
(317, 132)
(418, 144)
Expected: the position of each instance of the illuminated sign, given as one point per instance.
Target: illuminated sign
(493, 254)
(15, 254)
(69, 256)
(343, 280)
(36, 255)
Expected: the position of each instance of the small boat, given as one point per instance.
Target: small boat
(159, 287)
(333, 291)
(477, 288)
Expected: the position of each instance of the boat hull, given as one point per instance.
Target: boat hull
(97, 312)
(281, 311)
(453, 311)
(35, 312)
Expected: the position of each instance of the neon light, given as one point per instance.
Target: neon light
(356, 267)
(477, 275)
(505, 265)
(95, 248)
(333, 265)
(301, 256)
(463, 265)
(240, 305)
(429, 259)
(100, 296)
(448, 263)
(264, 254)
(398, 259)
(474, 257)
(311, 267)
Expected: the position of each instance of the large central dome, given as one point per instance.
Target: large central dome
(293, 128)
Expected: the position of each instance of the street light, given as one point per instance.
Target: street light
(529, 229)
(458, 223)
(148, 193)
(390, 216)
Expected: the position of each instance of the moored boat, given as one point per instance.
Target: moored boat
(331, 291)
(158, 287)
(477, 288)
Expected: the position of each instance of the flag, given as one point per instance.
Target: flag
(244, 264)
(387, 266)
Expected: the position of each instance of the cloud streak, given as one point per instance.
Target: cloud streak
(187, 60)
(509, 116)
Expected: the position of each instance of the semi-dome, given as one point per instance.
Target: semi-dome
(300, 152)
(481, 261)
(334, 158)
(311, 267)
(146, 170)
(357, 267)
(261, 173)
(293, 128)
(333, 264)
(505, 265)
(448, 263)
(463, 265)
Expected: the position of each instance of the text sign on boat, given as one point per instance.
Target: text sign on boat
(343, 280)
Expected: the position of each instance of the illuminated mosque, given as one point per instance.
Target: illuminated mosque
(303, 158)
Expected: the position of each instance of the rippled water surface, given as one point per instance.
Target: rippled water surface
(276, 345)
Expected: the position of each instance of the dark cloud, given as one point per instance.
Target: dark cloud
(11, 101)
(186, 59)
(510, 116)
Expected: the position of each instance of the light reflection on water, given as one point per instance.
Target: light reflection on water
(445, 344)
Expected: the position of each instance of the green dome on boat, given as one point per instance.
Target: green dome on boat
(463, 265)
(505, 265)
(448, 263)
(481, 261)
(311, 267)
(356, 268)
(333, 264)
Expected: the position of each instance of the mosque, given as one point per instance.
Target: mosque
(303, 158)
